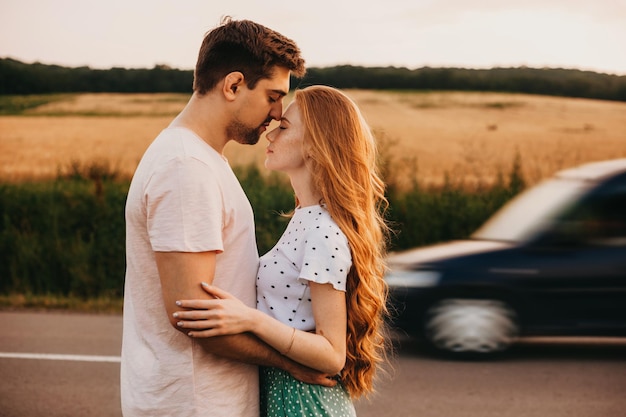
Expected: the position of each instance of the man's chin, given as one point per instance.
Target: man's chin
(249, 140)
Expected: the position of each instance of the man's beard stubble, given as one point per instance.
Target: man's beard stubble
(243, 134)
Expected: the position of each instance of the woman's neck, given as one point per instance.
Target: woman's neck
(303, 188)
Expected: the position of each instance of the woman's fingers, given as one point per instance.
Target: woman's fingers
(216, 317)
(205, 328)
(215, 291)
(193, 314)
(196, 304)
(204, 333)
(207, 325)
(199, 324)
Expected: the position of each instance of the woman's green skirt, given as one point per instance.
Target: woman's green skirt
(284, 396)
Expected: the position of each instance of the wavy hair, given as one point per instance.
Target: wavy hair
(341, 155)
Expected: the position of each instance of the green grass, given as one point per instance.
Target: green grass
(22, 105)
(62, 242)
(17, 105)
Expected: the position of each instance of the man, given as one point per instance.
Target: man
(188, 221)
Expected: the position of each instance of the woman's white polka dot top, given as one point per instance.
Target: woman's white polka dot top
(312, 248)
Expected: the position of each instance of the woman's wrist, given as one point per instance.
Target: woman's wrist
(258, 322)
(286, 351)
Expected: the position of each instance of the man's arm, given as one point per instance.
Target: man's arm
(181, 274)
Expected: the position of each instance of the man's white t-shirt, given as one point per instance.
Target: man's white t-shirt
(184, 197)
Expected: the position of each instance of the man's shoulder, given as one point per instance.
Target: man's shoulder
(177, 145)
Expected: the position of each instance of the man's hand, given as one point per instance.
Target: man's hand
(311, 376)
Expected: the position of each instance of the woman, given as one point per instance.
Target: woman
(321, 295)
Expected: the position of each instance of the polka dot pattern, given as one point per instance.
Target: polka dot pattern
(284, 396)
(312, 248)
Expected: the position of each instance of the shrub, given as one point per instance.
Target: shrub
(67, 237)
(62, 237)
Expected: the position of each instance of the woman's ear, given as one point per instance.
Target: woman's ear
(232, 82)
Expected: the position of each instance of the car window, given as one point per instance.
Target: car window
(532, 211)
(599, 219)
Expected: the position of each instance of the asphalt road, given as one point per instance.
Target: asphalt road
(56, 364)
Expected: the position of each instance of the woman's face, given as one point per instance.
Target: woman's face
(285, 151)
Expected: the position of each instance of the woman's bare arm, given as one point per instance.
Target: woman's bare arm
(324, 350)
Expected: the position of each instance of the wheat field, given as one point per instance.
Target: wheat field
(429, 136)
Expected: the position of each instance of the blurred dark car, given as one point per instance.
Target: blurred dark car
(552, 262)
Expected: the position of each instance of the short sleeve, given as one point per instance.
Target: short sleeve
(326, 257)
(184, 208)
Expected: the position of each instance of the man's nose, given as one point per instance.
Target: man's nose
(277, 111)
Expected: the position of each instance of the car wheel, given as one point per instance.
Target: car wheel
(470, 326)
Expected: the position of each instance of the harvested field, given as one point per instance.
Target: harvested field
(430, 135)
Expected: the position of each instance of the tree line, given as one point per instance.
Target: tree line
(18, 78)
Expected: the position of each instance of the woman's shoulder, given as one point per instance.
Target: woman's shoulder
(317, 223)
(315, 217)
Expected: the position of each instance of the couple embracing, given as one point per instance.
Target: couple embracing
(211, 329)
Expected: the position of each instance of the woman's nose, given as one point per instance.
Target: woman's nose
(270, 135)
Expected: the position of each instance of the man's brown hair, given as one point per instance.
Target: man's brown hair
(245, 46)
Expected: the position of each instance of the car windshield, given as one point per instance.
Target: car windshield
(531, 211)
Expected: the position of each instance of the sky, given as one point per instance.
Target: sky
(574, 34)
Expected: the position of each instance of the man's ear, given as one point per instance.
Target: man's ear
(232, 82)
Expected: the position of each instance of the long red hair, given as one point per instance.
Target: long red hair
(341, 153)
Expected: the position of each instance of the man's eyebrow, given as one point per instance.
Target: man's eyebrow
(279, 92)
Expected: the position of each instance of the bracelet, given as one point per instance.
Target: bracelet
(293, 337)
